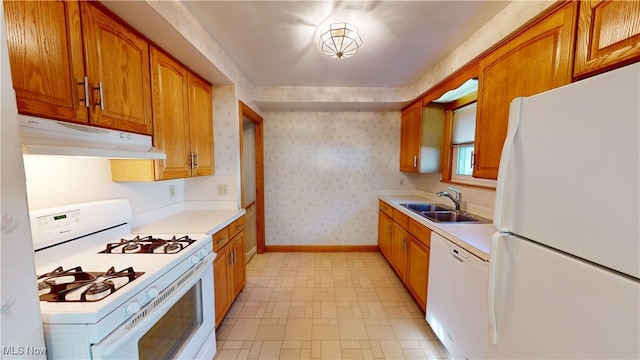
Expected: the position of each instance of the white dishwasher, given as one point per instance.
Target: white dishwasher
(457, 302)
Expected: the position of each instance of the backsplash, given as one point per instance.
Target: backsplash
(323, 173)
(54, 181)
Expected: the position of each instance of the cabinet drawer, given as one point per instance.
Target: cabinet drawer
(236, 227)
(220, 239)
(421, 232)
(386, 208)
(400, 218)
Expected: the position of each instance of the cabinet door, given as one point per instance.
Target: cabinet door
(118, 59)
(221, 288)
(201, 125)
(238, 264)
(170, 116)
(385, 234)
(608, 36)
(45, 52)
(410, 138)
(399, 251)
(537, 60)
(418, 271)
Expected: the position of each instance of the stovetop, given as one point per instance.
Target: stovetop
(77, 285)
(148, 245)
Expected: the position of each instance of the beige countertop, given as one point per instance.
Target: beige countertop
(475, 238)
(192, 222)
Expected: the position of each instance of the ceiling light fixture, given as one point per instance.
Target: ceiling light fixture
(340, 40)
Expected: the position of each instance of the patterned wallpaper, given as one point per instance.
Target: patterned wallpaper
(323, 173)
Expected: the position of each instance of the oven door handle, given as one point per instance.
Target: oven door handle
(137, 326)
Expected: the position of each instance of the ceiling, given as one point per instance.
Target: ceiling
(276, 43)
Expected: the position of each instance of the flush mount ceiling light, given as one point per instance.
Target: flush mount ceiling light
(340, 40)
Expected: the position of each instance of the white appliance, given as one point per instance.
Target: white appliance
(565, 266)
(457, 302)
(156, 302)
(51, 137)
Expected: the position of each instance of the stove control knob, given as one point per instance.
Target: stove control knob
(195, 259)
(132, 308)
(203, 253)
(152, 292)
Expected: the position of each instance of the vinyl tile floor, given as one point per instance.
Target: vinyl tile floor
(325, 306)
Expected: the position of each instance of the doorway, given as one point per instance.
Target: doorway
(252, 178)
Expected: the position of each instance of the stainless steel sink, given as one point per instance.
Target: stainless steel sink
(426, 207)
(442, 213)
(449, 216)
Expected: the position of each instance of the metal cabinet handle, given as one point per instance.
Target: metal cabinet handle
(191, 160)
(99, 88)
(404, 245)
(415, 161)
(221, 240)
(234, 257)
(473, 159)
(85, 84)
(195, 163)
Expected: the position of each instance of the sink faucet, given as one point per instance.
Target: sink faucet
(456, 200)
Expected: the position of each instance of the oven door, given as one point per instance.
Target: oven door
(175, 325)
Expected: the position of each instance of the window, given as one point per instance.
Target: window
(462, 141)
(462, 115)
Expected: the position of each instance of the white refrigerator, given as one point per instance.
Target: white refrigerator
(565, 264)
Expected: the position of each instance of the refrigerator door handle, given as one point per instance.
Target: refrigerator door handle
(493, 264)
(512, 130)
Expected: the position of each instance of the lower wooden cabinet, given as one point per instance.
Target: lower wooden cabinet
(385, 234)
(418, 270)
(405, 244)
(399, 251)
(221, 275)
(229, 267)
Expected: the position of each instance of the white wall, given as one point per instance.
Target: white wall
(323, 173)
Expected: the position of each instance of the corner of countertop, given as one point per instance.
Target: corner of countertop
(150, 216)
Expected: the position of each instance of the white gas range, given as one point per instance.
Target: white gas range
(106, 293)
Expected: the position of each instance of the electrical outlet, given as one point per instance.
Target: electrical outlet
(172, 191)
(402, 182)
(223, 189)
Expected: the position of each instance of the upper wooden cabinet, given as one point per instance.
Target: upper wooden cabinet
(183, 122)
(201, 125)
(171, 116)
(608, 36)
(182, 125)
(117, 65)
(536, 60)
(47, 65)
(75, 62)
(410, 137)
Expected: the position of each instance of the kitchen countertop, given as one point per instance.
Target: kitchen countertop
(192, 222)
(475, 238)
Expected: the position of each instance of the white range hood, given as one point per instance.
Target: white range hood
(50, 137)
